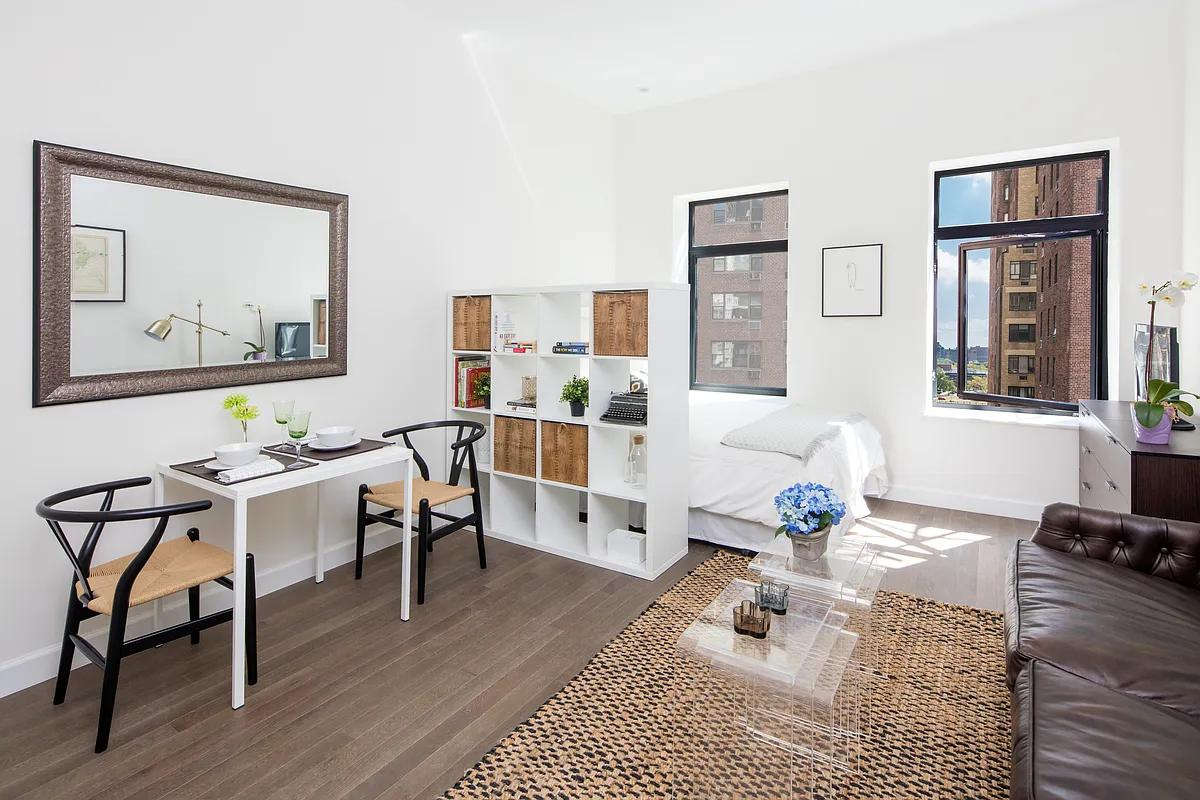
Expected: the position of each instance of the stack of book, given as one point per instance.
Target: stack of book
(523, 406)
(514, 346)
(467, 370)
(571, 348)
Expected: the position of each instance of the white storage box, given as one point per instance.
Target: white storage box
(627, 546)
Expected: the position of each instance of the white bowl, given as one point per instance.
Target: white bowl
(237, 454)
(336, 436)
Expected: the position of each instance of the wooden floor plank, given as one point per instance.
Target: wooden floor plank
(353, 703)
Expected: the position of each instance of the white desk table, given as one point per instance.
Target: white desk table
(241, 493)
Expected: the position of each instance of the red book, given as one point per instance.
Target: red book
(472, 376)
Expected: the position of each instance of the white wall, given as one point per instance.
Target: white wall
(452, 181)
(855, 144)
(1189, 343)
(181, 247)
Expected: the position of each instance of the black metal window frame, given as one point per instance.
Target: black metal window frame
(1028, 233)
(697, 252)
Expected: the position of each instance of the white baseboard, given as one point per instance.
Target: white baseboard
(979, 504)
(39, 665)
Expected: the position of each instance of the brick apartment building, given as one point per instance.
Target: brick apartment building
(741, 320)
(1040, 310)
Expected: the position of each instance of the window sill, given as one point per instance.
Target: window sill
(1032, 420)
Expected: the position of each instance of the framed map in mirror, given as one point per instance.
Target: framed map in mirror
(97, 264)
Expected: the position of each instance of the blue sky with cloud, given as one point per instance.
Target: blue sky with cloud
(963, 199)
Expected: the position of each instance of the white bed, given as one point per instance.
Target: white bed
(732, 490)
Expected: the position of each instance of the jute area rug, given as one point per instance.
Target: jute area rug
(937, 727)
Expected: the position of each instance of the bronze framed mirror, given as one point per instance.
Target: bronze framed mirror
(153, 278)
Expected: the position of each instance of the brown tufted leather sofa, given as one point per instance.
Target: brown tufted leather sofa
(1102, 640)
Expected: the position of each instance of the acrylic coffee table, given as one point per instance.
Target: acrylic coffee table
(765, 718)
(848, 575)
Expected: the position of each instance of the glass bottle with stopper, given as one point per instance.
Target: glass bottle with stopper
(635, 464)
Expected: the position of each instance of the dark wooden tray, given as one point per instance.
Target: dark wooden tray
(365, 446)
(198, 469)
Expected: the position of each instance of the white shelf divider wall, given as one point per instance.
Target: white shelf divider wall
(549, 515)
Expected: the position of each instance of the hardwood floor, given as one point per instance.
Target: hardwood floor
(351, 702)
(952, 556)
(354, 703)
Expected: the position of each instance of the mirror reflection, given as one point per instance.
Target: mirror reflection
(165, 279)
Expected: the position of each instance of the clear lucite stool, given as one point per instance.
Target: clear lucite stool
(848, 575)
(765, 718)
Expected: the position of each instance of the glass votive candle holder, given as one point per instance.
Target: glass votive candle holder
(772, 596)
(751, 619)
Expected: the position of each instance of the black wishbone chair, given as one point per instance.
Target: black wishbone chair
(155, 571)
(427, 494)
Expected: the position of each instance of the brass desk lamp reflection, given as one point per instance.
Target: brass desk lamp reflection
(161, 328)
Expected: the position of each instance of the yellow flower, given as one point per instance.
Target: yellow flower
(245, 413)
(236, 399)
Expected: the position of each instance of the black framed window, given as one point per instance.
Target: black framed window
(1020, 274)
(1022, 271)
(1021, 365)
(1022, 301)
(738, 275)
(1022, 332)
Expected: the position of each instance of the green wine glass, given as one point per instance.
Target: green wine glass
(297, 428)
(283, 413)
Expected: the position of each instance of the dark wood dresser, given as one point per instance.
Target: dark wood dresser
(1119, 474)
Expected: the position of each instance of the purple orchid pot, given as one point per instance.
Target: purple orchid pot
(1159, 434)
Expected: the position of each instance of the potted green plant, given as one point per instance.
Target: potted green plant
(256, 352)
(483, 389)
(807, 513)
(240, 409)
(1152, 417)
(575, 392)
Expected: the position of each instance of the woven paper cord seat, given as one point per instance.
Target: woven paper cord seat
(392, 494)
(176, 565)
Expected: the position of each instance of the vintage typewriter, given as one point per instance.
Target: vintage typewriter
(628, 408)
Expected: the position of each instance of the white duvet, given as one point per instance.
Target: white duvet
(743, 483)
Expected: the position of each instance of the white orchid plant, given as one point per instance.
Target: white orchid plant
(1163, 396)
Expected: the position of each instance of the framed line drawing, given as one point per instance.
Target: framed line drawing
(852, 281)
(97, 264)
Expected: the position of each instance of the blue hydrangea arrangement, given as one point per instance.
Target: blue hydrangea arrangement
(807, 508)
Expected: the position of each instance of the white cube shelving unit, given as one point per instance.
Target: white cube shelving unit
(565, 519)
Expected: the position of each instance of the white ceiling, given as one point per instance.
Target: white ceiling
(604, 50)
